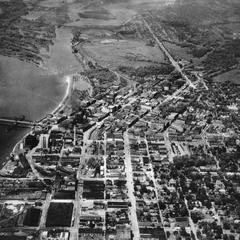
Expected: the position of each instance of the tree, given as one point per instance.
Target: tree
(162, 205)
(193, 186)
(168, 234)
(231, 237)
(225, 237)
(226, 225)
(208, 204)
(196, 216)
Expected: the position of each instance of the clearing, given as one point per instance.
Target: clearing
(113, 53)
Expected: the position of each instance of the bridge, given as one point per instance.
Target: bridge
(18, 123)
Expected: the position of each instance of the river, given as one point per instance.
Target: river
(26, 89)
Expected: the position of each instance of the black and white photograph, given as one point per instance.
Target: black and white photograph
(119, 119)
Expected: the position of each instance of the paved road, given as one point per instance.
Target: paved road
(43, 218)
(130, 187)
(193, 228)
(171, 59)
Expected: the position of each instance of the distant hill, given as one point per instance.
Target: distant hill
(202, 11)
(209, 30)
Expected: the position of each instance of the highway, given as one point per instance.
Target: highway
(171, 59)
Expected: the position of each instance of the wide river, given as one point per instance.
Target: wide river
(31, 91)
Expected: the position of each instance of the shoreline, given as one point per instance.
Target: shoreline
(68, 79)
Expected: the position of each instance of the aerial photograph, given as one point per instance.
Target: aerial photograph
(119, 119)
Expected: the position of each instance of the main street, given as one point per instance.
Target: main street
(130, 187)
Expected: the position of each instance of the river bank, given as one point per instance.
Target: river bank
(34, 92)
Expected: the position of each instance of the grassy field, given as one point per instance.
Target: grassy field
(233, 76)
(177, 51)
(110, 52)
(109, 12)
(55, 3)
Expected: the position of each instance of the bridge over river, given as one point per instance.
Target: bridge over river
(19, 123)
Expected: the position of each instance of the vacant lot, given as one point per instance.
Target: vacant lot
(59, 215)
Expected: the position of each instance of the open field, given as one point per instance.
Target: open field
(123, 52)
(114, 18)
(232, 76)
(109, 13)
(177, 51)
(55, 3)
(35, 22)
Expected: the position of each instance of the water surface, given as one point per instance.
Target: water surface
(28, 90)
